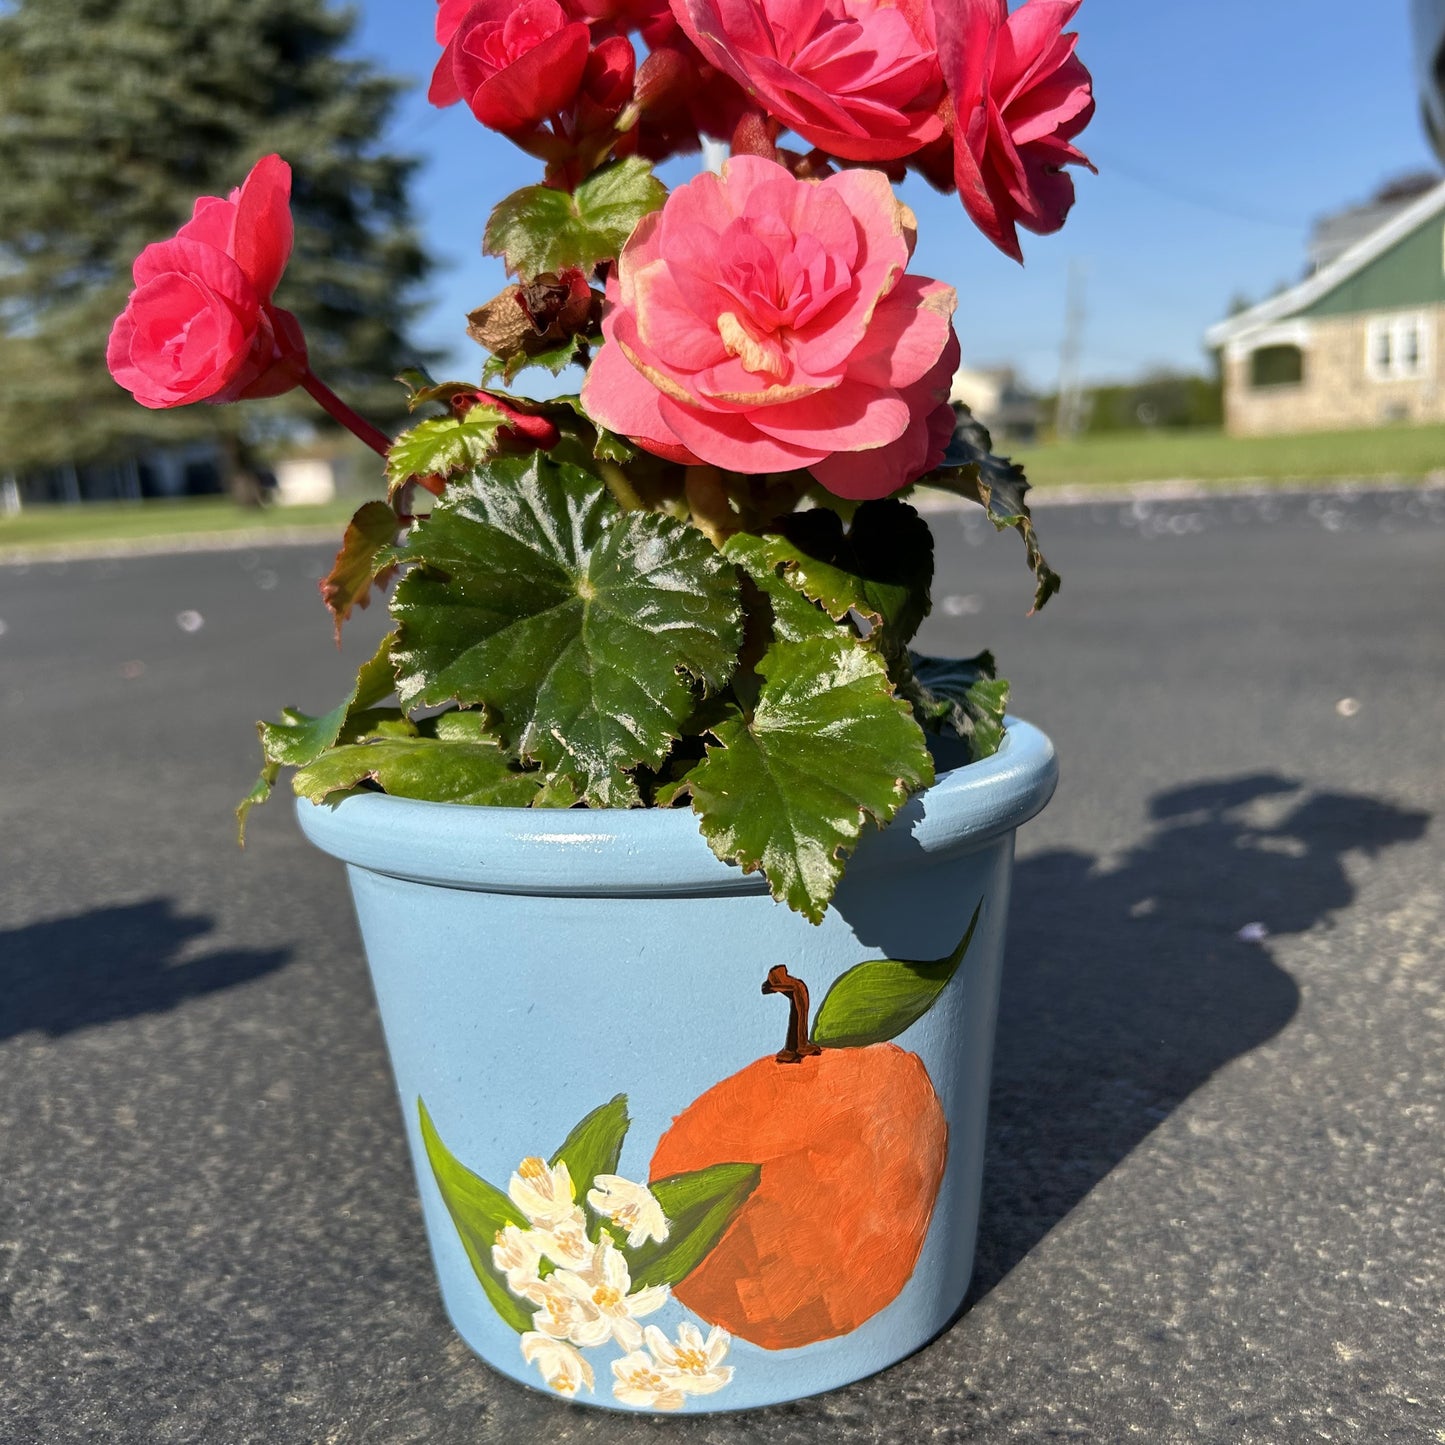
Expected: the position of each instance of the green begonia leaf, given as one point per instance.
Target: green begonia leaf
(541, 229)
(699, 1207)
(480, 1212)
(795, 618)
(971, 469)
(877, 1001)
(299, 739)
(361, 560)
(787, 786)
(443, 446)
(595, 1145)
(962, 697)
(476, 772)
(584, 631)
(880, 568)
(555, 358)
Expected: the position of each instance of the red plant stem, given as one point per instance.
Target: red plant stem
(334, 407)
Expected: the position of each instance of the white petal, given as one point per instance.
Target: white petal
(647, 1300)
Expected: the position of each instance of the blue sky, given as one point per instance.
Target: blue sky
(1224, 128)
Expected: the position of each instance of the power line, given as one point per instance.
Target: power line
(1199, 200)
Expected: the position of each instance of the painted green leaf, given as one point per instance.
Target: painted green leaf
(480, 1212)
(585, 631)
(443, 446)
(595, 1145)
(299, 739)
(971, 469)
(361, 560)
(960, 697)
(788, 786)
(877, 1001)
(541, 229)
(699, 1207)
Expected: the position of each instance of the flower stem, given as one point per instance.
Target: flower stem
(338, 410)
(797, 1046)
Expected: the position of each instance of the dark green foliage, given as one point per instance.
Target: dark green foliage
(114, 116)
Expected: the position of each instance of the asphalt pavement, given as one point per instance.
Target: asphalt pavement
(1214, 1208)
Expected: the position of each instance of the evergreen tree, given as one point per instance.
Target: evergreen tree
(114, 116)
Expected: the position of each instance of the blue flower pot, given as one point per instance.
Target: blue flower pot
(678, 1149)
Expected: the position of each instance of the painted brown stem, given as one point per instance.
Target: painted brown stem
(337, 409)
(798, 1046)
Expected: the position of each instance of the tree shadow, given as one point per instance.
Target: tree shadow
(1129, 982)
(113, 963)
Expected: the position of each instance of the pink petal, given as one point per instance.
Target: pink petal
(668, 326)
(908, 333)
(211, 224)
(535, 86)
(845, 418)
(264, 231)
(731, 441)
(617, 396)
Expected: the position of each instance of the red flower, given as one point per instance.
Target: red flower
(515, 62)
(200, 325)
(858, 78)
(1020, 96)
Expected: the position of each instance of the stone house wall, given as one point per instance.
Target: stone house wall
(1337, 393)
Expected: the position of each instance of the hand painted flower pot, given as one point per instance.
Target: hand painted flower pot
(678, 1149)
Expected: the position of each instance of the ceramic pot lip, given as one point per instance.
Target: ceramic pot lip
(658, 852)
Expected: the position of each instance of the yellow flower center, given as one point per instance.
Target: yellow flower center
(644, 1379)
(563, 1384)
(533, 1171)
(606, 1297)
(694, 1362)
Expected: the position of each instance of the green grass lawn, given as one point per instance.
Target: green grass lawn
(58, 526)
(1210, 456)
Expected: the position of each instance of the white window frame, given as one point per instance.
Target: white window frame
(1397, 328)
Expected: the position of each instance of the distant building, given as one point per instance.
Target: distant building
(1361, 341)
(1005, 405)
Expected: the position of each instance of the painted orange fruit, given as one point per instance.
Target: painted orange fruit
(851, 1144)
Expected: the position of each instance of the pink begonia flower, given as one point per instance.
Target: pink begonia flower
(516, 63)
(858, 78)
(766, 324)
(200, 325)
(1020, 96)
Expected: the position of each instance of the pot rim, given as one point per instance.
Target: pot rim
(657, 852)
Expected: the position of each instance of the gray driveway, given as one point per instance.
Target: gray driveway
(1215, 1202)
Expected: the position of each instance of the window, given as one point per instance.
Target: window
(1397, 348)
(1276, 366)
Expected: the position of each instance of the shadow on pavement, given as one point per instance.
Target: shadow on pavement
(113, 963)
(1128, 982)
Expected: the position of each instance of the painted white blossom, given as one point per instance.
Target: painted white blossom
(567, 1315)
(562, 1367)
(566, 1243)
(603, 1292)
(637, 1381)
(543, 1193)
(692, 1364)
(631, 1206)
(517, 1253)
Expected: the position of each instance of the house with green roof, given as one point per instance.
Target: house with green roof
(1359, 343)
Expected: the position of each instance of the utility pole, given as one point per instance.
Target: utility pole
(1069, 421)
